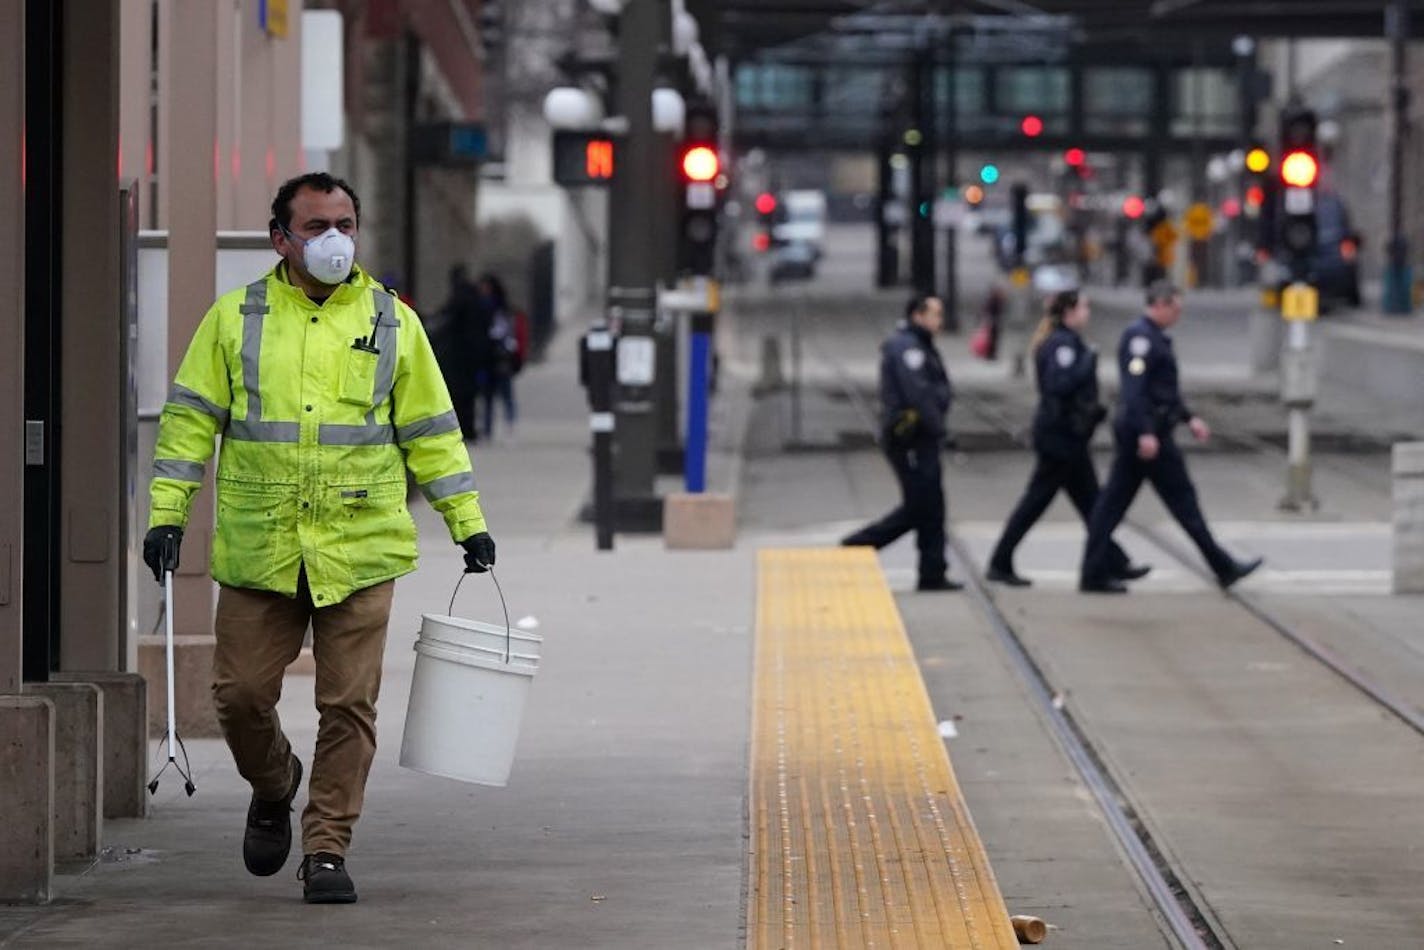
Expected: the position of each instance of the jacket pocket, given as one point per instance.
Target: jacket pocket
(358, 378)
(377, 531)
(253, 521)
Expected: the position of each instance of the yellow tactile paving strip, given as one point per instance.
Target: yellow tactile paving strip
(859, 833)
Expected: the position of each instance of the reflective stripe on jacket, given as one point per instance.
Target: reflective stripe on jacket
(316, 436)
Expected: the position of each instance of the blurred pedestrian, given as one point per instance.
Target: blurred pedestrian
(318, 433)
(505, 357)
(465, 333)
(915, 396)
(1067, 416)
(1150, 408)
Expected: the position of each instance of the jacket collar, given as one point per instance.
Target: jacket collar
(347, 291)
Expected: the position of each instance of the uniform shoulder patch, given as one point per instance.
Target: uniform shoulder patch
(1139, 346)
(1065, 356)
(914, 358)
(1137, 366)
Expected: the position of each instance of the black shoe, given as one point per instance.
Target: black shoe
(1006, 575)
(1110, 585)
(324, 879)
(1238, 570)
(1133, 572)
(268, 839)
(938, 583)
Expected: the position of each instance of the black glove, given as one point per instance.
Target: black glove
(479, 553)
(160, 549)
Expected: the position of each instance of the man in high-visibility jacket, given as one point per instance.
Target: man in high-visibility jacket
(325, 391)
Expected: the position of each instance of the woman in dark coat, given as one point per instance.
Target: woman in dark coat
(1068, 413)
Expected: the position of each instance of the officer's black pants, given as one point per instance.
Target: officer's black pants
(917, 468)
(1168, 475)
(1072, 472)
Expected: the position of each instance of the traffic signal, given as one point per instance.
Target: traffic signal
(1133, 207)
(699, 164)
(1032, 126)
(989, 174)
(1300, 174)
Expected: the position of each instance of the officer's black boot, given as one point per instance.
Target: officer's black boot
(1005, 574)
(1237, 571)
(268, 839)
(324, 879)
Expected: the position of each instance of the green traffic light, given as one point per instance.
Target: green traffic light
(989, 174)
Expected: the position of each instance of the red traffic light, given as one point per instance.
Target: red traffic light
(1300, 169)
(1255, 196)
(765, 203)
(1133, 207)
(761, 242)
(1075, 157)
(1032, 126)
(700, 164)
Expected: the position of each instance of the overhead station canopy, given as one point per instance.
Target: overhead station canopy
(739, 28)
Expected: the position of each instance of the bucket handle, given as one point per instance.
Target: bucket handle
(508, 636)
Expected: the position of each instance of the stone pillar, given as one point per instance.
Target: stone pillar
(196, 716)
(125, 740)
(78, 767)
(1408, 470)
(92, 497)
(26, 796)
(188, 91)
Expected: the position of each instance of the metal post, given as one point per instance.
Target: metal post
(596, 373)
(887, 268)
(1397, 275)
(633, 263)
(1299, 305)
(921, 176)
(795, 311)
(951, 161)
(699, 363)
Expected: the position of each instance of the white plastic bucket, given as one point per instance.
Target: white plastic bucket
(467, 698)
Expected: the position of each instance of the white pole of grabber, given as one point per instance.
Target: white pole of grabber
(168, 615)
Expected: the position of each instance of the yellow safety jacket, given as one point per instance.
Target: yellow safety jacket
(321, 409)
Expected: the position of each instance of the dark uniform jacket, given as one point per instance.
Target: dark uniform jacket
(913, 380)
(1068, 407)
(1151, 398)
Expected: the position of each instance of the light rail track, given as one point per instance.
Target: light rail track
(1180, 912)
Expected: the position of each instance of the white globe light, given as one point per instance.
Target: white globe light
(684, 32)
(1217, 170)
(569, 107)
(669, 111)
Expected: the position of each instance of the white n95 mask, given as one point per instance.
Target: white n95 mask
(329, 256)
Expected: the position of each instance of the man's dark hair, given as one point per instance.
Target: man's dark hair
(1161, 291)
(318, 181)
(917, 304)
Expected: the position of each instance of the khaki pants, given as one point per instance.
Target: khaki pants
(258, 634)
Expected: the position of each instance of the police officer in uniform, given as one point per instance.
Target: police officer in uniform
(914, 397)
(1068, 414)
(1150, 407)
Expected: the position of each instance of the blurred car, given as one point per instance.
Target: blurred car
(1337, 266)
(793, 260)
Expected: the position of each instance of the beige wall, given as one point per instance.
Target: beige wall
(12, 326)
(255, 111)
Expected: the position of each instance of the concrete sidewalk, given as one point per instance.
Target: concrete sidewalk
(622, 825)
